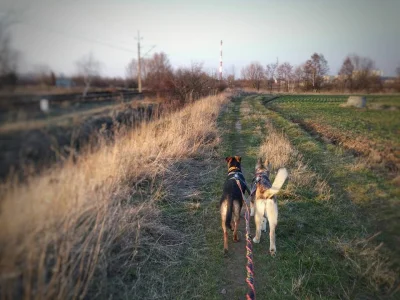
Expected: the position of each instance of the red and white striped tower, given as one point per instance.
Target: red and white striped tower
(220, 63)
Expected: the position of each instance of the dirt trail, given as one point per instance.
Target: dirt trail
(235, 263)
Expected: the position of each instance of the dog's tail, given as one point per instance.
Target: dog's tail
(279, 181)
(228, 218)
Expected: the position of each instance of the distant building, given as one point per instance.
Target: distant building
(358, 73)
(378, 73)
(328, 78)
(64, 82)
(389, 80)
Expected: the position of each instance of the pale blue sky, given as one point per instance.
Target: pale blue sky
(57, 33)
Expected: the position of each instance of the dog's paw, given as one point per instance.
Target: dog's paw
(255, 240)
(272, 252)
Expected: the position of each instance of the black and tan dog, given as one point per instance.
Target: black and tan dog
(232, 199)
(265, 202)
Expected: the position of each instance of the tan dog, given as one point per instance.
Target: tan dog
(265, 203)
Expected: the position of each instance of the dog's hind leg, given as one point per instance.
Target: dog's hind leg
(259, 214)
(236, 219)
(271, 210)
(224, 227)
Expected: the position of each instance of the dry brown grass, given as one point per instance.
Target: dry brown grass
(367, 259)
(88, 219)
(279, 152)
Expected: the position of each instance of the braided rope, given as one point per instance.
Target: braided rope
(251, 294)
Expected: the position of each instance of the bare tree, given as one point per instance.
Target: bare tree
(270, 74)
(159, 72)
(231, 77)
(285, 74)
(193, 83)
(346, 73)
(88, 68)
(298, 76)
(363, 75)
(131, 69)
(397, 82)
(254, 73)
(8, 56)
(315, 69)
(53, 79)
(42, 74)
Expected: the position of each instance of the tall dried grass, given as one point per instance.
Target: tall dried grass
(66, 233)
(279, 152)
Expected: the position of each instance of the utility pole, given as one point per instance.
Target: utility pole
(139, 64)
(220, 63)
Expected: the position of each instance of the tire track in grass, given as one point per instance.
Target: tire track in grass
(353, 263)
(374, 194)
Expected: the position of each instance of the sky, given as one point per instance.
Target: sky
(58, 33)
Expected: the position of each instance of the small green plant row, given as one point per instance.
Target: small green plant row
(313, 99)
(383, 99)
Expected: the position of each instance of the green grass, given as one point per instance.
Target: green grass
(316, 240)
(380, 125)
(324, 250)
(363, 203)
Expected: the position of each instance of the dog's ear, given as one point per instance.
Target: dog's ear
(238, 158)
(228, 159)
(259, 164)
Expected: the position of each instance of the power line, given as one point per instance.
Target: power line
(152, 47)
(77, 37)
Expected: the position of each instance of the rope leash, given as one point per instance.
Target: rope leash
(251, 294)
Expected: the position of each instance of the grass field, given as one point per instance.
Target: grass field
(145, 218)
(373, 131)
(331, 242)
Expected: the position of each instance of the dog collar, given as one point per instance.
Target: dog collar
(233, 169)
(260, 173)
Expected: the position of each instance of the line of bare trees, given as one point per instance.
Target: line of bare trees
(284, 77)
(357, 73)
(185, 84)
(8, 55)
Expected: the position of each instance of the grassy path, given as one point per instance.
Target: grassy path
(324, 244)
(326, 247)
(240, 138)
